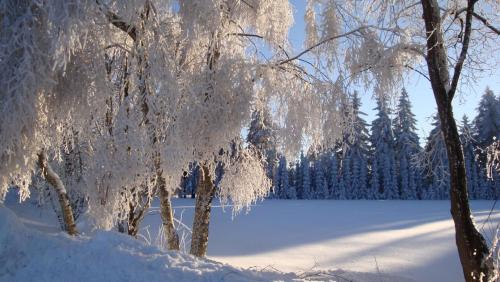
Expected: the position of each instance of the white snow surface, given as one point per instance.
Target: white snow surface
(279, 240)
(413, 239)
(30, 255)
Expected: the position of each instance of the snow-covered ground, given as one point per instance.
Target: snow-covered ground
(414, 239)
(278, 240)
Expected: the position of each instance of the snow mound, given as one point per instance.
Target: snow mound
(27, 254)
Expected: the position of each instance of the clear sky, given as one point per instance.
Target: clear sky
(418, 88)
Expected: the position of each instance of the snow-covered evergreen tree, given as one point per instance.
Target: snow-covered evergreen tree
(298, 179)
(344, 192)
(292, 192)
(283, 185)
(334, 177)
(354, 168)
(262, 135)
(486, 130)
(383, 159)
(357, 151)
(436, 168)
(407, 149)
(471, 165)
(305, 167)
(375, 181)
(320, 182)
(487, 121)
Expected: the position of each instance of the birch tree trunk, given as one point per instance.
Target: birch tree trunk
(204, 196)
(53, 179)
(166, 208)
(472, 248)
(167, 215)
(138, 209)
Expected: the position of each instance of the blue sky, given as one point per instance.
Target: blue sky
(418, 88)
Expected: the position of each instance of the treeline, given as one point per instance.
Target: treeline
(385, 162)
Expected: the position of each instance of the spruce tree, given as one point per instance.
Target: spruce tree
(407, 149)
(355, 153)
(306, 177)
(436, 164)
(291, 192)
(298, 179)
(284, 184)
(471, 165)
(383, 159)
(487, 121)
(321, 185)
(486, 130)
(345, 178)
(262, 135)
(334, 178)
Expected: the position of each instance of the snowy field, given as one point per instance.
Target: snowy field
(413, 239)
(278, 240)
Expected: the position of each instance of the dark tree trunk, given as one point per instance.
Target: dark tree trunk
(472, 248)
(138, 208)
(204, 195)
(137, 212)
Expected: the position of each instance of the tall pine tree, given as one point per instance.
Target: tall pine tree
(298, 179)
(407, 149)
(354, 171)
(291, 192)
(306, 177)
(383, 159)
(436, 168)
(487, 129)
(262, 135)
(487, 121)
(471, 165)
(320, 179)
(283, 185)
(334, 177)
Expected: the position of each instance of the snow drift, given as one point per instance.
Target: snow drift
(27, 254)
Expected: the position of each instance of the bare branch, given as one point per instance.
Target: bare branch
(389, 66)
(417, 71)
(248, 4)
(315, 67)
(117, 21)
(118, 45)
(465, 47)
(243, 34)
(309, 49)
(486, 23)
(479, 17)
(246, 34)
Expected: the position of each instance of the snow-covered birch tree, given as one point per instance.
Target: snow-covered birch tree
(188, 92)
(194, 66)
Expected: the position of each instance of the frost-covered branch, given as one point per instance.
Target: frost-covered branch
(324, 41)
(117, 21)
(493, 159)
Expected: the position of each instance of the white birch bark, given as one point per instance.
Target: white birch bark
(55, 181)
(204, 196)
